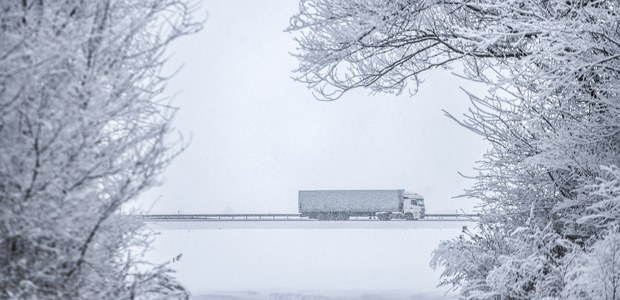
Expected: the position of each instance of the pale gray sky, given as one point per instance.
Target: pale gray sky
(258, 137)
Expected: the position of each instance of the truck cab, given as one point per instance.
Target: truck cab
(413, 206)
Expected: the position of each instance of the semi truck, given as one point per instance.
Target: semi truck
(342, 204)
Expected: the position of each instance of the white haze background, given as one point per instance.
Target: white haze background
(257, 137)
(303, 260)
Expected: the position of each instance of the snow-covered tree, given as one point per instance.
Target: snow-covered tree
(82, 131)
(551, 116)
(596, 273)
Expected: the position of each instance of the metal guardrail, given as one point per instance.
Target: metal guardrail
(216, 217)
(447, 217)
(278, 217)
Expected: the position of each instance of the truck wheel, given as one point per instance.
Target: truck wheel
(409, 216)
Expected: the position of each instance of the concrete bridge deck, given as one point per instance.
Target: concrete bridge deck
(287, 217)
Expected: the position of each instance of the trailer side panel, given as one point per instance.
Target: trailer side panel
(352, 201)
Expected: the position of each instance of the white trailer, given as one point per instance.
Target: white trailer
(342, 204)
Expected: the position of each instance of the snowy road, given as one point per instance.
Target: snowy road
(295, 260)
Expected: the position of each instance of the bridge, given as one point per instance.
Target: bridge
(287, 217)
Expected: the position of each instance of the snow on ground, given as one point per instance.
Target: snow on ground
(304, 259)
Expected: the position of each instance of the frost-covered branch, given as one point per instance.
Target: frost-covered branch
(82, 132)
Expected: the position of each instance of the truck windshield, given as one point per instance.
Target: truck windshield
(417, 202)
